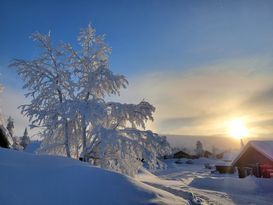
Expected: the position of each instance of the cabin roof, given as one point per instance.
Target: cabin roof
(264, 147)
(181, 152)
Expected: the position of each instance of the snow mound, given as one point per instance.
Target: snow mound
(248, 185)
(33, 146)
(28, 179)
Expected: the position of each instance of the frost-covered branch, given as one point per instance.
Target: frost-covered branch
(48, 84)
(136, 115)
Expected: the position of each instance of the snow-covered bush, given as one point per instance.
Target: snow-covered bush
(68, 90)
(126, 150)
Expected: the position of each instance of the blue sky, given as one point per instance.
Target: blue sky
(144, 34)
(153, 40)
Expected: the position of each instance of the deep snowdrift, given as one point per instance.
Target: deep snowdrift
(28, 179)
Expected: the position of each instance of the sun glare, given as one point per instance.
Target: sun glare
(237, 128)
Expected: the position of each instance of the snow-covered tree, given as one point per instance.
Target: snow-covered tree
(199, 149)
(69, 88)
(1, 116)
(25, 139)
(10, 126)
(127, 149)
(16, 141)
(47, 80)
(9, 142)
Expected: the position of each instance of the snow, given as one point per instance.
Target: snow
(40, 179)
(199, 186)
(248, 185)
(229, 156)
(250, 190)
(33, 146)
(28, 179)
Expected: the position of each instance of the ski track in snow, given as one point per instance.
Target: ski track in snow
(195, 196)
(178, 181)
(177, 184)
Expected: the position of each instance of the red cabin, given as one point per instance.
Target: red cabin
(256, 159)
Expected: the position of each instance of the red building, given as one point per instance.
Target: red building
(256, 158)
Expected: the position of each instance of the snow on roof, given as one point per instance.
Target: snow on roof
(264, 147)
(230, 155)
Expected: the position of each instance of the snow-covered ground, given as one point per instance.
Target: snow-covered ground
(196, 184)
(28, 179)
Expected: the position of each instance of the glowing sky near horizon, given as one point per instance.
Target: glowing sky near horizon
(201, 63)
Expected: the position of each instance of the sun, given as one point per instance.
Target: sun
(237, 128)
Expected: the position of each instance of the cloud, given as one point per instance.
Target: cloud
(193, 101)
(170, 124)
(174, 123)
(261, 99)
(202, 100)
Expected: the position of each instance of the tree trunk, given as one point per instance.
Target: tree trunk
(84, 139)
(66, 135)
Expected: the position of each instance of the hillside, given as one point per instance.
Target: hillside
(28, 179)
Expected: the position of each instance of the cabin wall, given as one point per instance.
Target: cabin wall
(252, 156)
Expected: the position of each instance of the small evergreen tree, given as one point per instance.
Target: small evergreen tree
(25, 139)
(199, 149)
(10, 126)
(214, 151)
